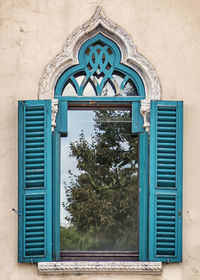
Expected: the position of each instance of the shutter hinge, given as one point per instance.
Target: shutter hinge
(179, 213)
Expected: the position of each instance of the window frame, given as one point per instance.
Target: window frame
(61, 130)
(137, 126)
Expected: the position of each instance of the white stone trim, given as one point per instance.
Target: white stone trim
(145, 112)
(54, 110)
(130, 57)
(87, 267)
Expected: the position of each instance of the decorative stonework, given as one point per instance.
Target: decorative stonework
(86, 267)
(54, 110)
(130, 57)
(145, 112)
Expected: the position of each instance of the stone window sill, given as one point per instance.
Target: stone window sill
(89, 267)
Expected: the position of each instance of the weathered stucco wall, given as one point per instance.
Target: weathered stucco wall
(165, 32)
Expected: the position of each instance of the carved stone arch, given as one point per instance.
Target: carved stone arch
(99, 23)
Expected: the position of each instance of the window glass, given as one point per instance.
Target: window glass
(99, 182)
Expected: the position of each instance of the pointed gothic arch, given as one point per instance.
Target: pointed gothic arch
(100, 24)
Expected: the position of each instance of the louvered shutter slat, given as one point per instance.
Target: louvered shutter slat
(165, 205)
(35, 218)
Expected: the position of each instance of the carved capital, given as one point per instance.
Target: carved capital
(145, 112)
(54, 110)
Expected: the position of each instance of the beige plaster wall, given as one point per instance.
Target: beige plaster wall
(166, 32)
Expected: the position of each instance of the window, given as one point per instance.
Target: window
(99, 185)
(100, 80)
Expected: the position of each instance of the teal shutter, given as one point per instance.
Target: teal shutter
(165, 214)
(34, 203)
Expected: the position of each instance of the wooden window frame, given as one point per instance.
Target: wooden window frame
(143, 183)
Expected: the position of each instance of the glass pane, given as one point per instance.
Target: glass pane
(130, 89)
(69, 90)
(99, 182)
(108, 90)
(89, 90)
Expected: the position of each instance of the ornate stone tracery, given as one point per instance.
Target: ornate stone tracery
(99, 23)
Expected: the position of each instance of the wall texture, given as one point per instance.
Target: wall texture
(165, 32)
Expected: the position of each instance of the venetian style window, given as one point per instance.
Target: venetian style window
(120, 160)
(99, 201)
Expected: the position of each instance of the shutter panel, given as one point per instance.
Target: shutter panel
(35, 206)
(165, 224)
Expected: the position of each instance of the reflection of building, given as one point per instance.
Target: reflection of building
(160, 36)
(64, 224)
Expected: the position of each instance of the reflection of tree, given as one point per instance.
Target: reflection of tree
(102, 199)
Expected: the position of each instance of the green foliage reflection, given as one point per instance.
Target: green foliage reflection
(102, 201)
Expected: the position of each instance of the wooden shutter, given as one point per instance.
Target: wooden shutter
(34, 203)
(165, 214)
